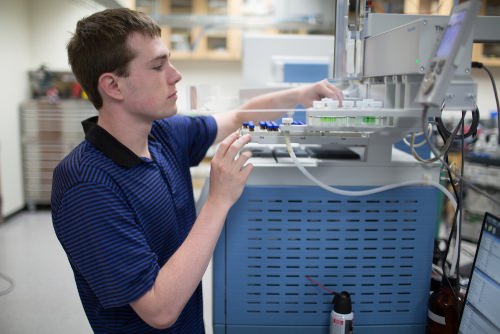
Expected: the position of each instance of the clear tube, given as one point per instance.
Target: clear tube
(362, 192)
(328, 188)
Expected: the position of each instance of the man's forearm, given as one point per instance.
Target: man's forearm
(180, 276)
(277, 101)
(257, 109)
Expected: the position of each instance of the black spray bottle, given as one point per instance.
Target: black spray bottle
(341, 317)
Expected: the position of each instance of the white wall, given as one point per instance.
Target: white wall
(34, 32)
(14, 62)
(31, 33)
(51, 25)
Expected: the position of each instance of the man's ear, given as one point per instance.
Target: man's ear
(108, 84)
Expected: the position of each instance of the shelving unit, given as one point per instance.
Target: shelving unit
(48, 132)
(438, 7)
(212, 29)
(488, 54)
(194, 40)
(202, 29)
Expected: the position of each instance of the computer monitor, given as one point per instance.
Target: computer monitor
(482, 301)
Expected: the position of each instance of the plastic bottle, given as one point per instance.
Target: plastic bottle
(443, 310)
(492, 122)
(341, 317)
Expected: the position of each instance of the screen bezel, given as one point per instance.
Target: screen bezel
(485, 219)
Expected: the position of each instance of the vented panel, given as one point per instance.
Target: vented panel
(378, 248)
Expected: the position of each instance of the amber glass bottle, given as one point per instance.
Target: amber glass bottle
(443, 311)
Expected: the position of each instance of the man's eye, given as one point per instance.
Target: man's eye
(158, 68)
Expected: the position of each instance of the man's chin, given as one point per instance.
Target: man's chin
(171, 112)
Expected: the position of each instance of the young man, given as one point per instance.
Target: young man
(122, 201)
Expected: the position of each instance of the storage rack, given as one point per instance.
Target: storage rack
(49, 131)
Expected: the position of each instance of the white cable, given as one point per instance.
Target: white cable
(326, 187)
(362, 192)
(456, 249)
(442, 151)
(413, 135)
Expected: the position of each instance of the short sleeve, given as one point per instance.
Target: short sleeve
(194, 134)
(105, 244)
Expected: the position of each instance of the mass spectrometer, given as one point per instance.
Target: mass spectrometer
(331, 201)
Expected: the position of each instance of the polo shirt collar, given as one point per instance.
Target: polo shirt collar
(108, 144)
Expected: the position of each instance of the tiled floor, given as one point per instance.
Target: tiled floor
(44, 299)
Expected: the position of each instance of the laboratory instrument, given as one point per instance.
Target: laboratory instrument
(330, 196)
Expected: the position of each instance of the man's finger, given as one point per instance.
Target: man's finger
(225, 145)
(236, 146)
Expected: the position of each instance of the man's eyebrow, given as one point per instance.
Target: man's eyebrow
(161, 57)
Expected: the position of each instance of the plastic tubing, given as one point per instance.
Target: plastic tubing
(371, 191)
(362, 192)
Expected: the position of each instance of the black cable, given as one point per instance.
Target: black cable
(444, 276)
(458, 235)
(444, 255)
(437, 154)
(460, 223)
(463, 182)
(445, 133)
(453, 226)
(445, 164)
(9, 288)
(476, 64)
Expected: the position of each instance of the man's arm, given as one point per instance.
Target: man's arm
(228, 122)
(179, 277)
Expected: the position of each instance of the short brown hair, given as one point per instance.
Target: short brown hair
(99, 45)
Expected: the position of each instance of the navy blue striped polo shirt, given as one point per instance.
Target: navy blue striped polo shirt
(120, 217)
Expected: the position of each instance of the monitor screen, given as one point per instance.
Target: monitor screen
(482, 303)
(450, 34)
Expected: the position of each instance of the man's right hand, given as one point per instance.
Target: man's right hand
(229, 172)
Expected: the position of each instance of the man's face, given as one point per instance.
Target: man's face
(149, 90)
